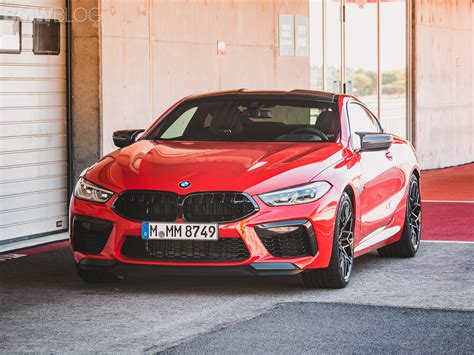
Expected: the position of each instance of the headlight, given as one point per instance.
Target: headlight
(296, 195)
(88, 191)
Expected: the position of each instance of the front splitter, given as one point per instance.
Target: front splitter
(256, 269)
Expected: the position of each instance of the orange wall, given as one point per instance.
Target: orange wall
(157, 51)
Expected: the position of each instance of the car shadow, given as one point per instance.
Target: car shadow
(55, 271)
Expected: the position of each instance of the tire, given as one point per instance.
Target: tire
(338, 273)
(97, 276)
(409, 243)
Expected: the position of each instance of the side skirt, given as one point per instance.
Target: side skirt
(377, 239)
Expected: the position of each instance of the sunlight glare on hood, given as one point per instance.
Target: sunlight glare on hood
(256, 166)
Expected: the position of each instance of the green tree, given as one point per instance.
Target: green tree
(363, 83)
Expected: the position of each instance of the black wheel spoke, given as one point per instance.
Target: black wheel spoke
(414, 213)
(345, 235)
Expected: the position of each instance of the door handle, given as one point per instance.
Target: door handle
(389, 155)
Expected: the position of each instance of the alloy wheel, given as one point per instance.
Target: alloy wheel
(346, 239)
(414, 214)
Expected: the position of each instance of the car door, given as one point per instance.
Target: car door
(379, 179)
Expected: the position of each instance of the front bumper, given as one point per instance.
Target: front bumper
(318, 218)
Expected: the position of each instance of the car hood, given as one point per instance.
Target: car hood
(213, 166)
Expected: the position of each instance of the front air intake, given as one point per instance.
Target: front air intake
(224, 249)
(288, 239)
(89, 235)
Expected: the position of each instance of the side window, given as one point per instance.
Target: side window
(178, 127)
(361, 121)
(208, 121)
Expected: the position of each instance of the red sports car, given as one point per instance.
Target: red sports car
(263, 182)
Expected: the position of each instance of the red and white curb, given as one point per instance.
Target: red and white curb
(6, 257)
(34, 250)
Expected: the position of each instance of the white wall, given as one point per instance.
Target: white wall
(444, 91)
(155, 52)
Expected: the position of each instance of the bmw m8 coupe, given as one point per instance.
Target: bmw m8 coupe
(259, 182)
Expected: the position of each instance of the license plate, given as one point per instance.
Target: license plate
(179, 231)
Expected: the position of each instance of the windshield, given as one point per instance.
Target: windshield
(250, 119)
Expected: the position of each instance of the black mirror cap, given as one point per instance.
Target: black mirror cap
(370, 141)
(126, 137)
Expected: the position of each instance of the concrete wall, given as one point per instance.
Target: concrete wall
(156, 51)
(146, 54)
(443, 77)
(85, 88)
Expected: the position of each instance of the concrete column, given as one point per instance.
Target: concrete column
(85, 81)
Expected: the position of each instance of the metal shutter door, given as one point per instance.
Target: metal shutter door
(33, 130)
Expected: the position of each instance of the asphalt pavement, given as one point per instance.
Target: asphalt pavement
(332, 328)
(419, 305)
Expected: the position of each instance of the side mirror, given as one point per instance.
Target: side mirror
(374, 141)
(126, 137)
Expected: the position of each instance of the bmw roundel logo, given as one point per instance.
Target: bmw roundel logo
(184, 184)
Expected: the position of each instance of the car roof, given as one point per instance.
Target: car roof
(296, 94)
